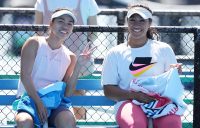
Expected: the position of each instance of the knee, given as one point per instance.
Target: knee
(24, 122)
(66, 122)
(131, 116)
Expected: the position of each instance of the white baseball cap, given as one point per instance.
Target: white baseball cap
(143, 12)
(64, 12)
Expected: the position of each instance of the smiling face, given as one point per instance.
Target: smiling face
(138, 27)
(61, 27)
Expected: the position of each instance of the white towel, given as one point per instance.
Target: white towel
(166, 88)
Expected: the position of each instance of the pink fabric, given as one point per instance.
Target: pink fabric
(130, 115)
(170, 121)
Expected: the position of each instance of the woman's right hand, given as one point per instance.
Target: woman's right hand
(42, 111)
(86, 54)
(142, 97)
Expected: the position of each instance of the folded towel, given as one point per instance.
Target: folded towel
(166, 88)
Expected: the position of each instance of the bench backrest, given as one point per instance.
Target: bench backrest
(83, 84)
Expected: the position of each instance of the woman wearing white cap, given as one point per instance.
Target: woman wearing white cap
(86, 13)
(140, 56)
(45, 61)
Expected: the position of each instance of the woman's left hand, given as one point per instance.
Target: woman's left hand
(178, 66)
(86, 54)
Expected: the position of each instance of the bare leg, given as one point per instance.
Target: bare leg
(79, 112)
(65, 119)
(24, 120)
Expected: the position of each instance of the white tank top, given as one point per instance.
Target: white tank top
(50, 65)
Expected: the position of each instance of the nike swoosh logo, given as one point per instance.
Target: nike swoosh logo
(140, 71)
(132, 67)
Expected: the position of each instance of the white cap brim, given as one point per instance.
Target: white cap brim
(63, 12)
(143, 12)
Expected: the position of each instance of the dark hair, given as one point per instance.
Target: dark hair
(151, 31)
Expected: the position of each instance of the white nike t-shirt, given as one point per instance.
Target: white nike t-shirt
(124, 63)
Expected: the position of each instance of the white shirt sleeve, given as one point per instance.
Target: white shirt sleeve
(110, 70)
(170, 57)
